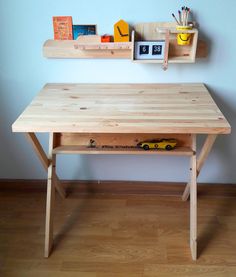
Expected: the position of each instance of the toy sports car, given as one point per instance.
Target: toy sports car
(167, 144)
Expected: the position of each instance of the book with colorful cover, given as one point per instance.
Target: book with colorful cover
(62, 26)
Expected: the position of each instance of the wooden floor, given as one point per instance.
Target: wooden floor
(105, 235)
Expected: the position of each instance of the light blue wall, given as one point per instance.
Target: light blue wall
(26, 24)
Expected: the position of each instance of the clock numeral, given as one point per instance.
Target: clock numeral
(156, 49)
(144, 49)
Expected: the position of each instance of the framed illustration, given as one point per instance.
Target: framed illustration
(83, 30)
(62, 26)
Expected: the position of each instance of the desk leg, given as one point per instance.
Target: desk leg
(193, 201)
(200, 161)
(50, 199)
(45, 161)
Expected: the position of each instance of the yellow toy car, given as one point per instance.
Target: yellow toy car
(167, 144)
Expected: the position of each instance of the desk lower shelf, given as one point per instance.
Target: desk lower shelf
(75, 149)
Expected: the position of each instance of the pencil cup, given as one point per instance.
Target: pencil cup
(183, 38)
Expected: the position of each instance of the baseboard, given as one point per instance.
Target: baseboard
(120, 187)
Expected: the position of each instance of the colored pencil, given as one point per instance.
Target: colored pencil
(183, 16)
(176, 19)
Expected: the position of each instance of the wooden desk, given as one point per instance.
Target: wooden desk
(112, 119)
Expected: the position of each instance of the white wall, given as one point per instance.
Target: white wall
(26, 24)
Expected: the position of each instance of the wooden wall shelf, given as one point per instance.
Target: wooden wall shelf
(157, 31)
(71, 49)
(74, 49)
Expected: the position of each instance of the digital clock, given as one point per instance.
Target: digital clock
(149, 50)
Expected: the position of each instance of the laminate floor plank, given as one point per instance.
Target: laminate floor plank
(106, 235)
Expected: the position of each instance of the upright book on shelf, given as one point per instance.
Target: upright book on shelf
(62, 27)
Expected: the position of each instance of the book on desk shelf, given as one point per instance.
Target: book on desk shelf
(62, 26)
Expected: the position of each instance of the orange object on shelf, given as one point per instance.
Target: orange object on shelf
(121, 31)
(106, 38)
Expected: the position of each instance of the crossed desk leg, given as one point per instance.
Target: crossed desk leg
(53, 183)
(193, 201)
(200, 161)
(191, 188)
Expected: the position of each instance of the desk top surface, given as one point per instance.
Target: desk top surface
(123, 108)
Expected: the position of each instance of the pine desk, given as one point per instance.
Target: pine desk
(112, 119)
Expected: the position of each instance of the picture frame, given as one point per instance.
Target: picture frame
(83, 30)
(62, 27)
